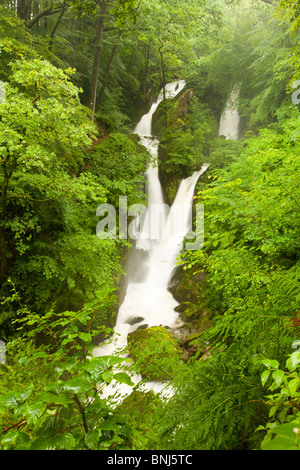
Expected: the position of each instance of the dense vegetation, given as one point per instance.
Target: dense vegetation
(77, 77)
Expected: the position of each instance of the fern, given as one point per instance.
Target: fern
(217, 410)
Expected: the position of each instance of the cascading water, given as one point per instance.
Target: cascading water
(230, 119)
(147, 300)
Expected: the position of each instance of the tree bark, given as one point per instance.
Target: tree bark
(7, 174)
(107, 70)
(64, 7)
(146, 68)
(24, 9)
(97, 57)
(52, 10)
(163, 71)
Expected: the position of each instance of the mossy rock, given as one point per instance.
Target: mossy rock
(199, 315)
(159, 121)
(171, 115)
(155, 352)
(185, 286)
(139, 407)
(182, 106)
(204, 319)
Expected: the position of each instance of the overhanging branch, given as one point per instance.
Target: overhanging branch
(52, 10)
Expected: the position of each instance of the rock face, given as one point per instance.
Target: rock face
(170, 115)
(188, 290)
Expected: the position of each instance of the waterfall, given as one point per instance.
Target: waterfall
(230, 119)
(147, 300)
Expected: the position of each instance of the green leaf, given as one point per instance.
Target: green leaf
(293, 361)
(55, 387)
(273, 410)
(265, 376)
(44, 443)
(77, 385)
(279, 443)
(287, 430)
(92, 439)
(9, 439)
(293, 385)
(64, 441)
(123, 378)
(272, 363)
(108, 376)
(52, 398)
(109, 425)
(86, 337)
(278, 376)
(13, 399)
(34, 412)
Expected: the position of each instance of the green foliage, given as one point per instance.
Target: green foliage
(17, 43)
(120, 163)
(185, 140)
(216, 407)
(251, 51)
(283, 427)
(223, 152)
(156, 354)
(140, 409)
(49, 200)
(51, 394)
(52, 187)
(251, 261)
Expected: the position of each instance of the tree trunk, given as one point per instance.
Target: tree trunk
(146, 68)
(108, 66)
(64, 7)
(7, 174)
(24, 9)
(97, 58)
(163, 71)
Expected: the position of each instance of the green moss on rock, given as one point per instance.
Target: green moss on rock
(155, 351)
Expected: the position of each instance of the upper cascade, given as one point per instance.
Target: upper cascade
(144, 127)
(230, 118)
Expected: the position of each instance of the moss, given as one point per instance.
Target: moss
(155, 351)
(171, 113)
(138, 407)
(169, 116)
(188, 287)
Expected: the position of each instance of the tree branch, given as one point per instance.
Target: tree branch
(82, 412)
(52, 10)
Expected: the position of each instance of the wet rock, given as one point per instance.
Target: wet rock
(134, 320)
(143, 327)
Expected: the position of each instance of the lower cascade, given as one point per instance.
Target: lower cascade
(147, 300)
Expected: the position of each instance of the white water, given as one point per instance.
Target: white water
(230, 119)
(147, 300)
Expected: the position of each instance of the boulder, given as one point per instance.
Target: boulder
(155, 352)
